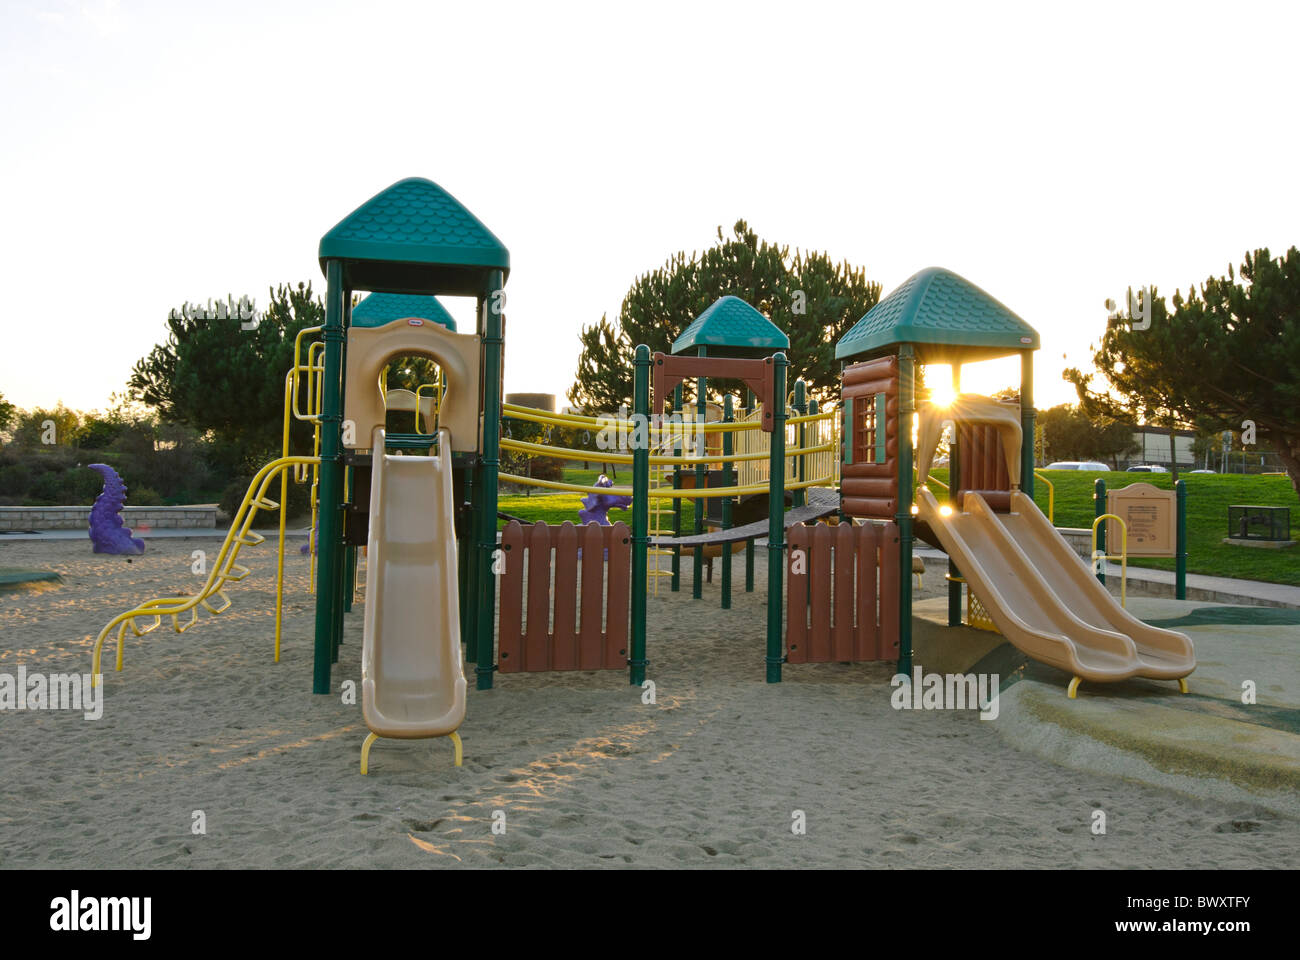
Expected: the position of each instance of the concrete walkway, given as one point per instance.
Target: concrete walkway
(1208, 742)
(1143, 581)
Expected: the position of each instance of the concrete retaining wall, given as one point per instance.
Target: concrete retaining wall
(194, 516)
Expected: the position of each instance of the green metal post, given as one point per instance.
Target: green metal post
(1180, 572)
(636, 661)
(677, 503)
(701, 475)
(749, 544)
(728, 416)
(800, 408)
(776, 524)
(469, 570)
(331, 479)
(906, 407)
(1027, 423)
(493, 349)
(350, 579)
(1098, 508)
(350, 559)
(954, 484)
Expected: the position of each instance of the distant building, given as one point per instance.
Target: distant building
(1153, 447)
(538, 401)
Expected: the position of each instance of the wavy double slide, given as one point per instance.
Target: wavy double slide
(412, 677)
(1045, 599)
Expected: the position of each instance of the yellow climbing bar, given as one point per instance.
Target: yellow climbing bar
(224, 570)
(601, 456)
(667, 493)
(666, 427)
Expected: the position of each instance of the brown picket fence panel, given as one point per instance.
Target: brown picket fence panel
(543, 625)
(842, 603)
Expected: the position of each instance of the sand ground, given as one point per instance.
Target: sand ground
(582, 772)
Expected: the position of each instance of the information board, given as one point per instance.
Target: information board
(1150, 514)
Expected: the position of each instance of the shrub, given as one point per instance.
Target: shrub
(143, 496)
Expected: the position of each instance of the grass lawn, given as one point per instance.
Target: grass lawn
(555, 508)
(1208, 497)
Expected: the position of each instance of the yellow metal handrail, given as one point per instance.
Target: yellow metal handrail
(224, 570)
(1051, 497)
(439, 392)
(1123, 557)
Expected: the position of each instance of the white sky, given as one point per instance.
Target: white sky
(157, 152)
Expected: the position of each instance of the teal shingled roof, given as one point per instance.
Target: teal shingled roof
(947, 316)
(413, 222)
(731, 322)
(378, 309)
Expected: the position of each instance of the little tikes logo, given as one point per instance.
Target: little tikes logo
(103, 914)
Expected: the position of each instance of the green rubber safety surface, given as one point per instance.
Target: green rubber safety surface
(414, 221)
(14, 578)
(378, 309)
(731, 322)
(1235, 616)
(936, 307)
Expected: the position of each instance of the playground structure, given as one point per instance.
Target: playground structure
(1032, 585)
(424, 504)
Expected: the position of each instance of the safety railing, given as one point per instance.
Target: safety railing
(225, 570)
(1099, 558)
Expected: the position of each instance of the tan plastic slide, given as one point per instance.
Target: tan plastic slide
(1045, 599)
(412, 677)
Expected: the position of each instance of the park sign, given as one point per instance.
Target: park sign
(1150, 516)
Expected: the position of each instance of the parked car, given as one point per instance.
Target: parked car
(1146, 468)
(1202, 471)
(1077, 465)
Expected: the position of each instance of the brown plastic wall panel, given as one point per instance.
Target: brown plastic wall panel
(869, 507)
(872, 470)
(871, 489)
(998, 500)
(882, 368)
(561, 628)
(667, 371)
(867, 388)
(887, 636)
(843, 600)
(883, 487)
(984, 465)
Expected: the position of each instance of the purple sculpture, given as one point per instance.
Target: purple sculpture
(107, 533)
(599, 504)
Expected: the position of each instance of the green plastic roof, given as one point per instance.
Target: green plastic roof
(731, 322)
(946, 316)
(378, 309)
(414, 237)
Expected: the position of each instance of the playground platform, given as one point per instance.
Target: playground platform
(1206, 743)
